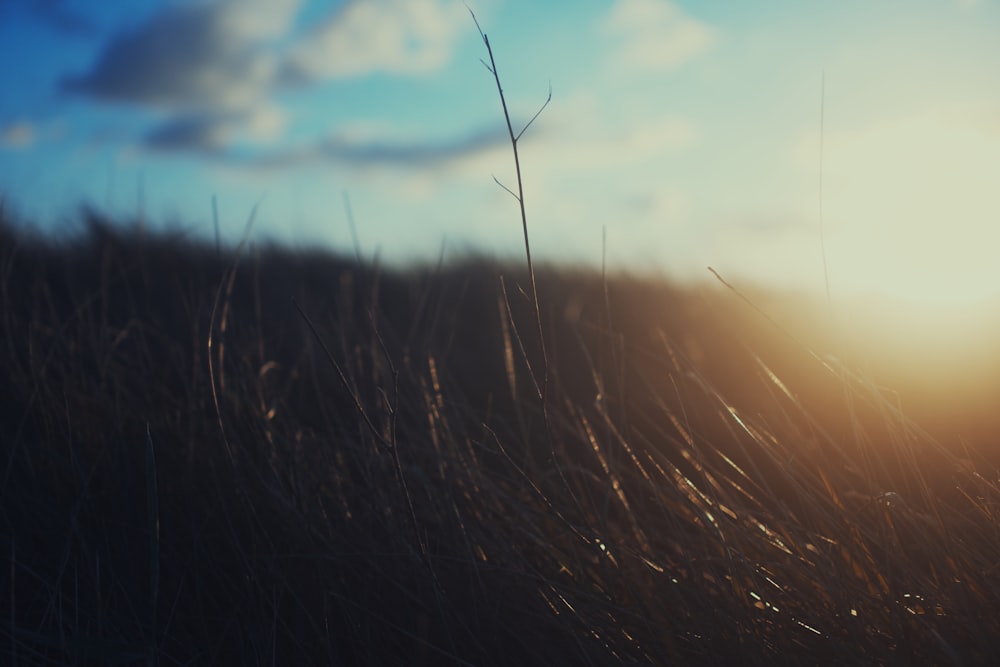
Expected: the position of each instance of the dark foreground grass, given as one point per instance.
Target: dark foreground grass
(290, 458)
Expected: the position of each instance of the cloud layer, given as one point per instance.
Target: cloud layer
(212, 71)
(655, 35)
(390, 36)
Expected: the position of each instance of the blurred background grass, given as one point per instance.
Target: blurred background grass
(379, 484)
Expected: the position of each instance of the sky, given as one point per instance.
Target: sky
(767, 140)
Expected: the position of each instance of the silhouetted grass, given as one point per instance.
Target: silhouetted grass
(261, 456)
(384, 490)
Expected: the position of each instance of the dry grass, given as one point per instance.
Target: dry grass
(285, 457)
(389, 494)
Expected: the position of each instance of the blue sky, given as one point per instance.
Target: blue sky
(690, 131)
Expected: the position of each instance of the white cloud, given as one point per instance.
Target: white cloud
(265, 123)
(655, 35)
(574, 136)
(649, 138)
(397, 36)
(257, 20)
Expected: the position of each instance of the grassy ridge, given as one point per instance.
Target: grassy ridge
(373, 482)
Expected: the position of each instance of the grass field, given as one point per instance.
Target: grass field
(260, 455)
(288, 457)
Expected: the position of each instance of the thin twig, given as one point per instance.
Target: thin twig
(514, 138)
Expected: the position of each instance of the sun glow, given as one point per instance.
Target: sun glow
(911, 210)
